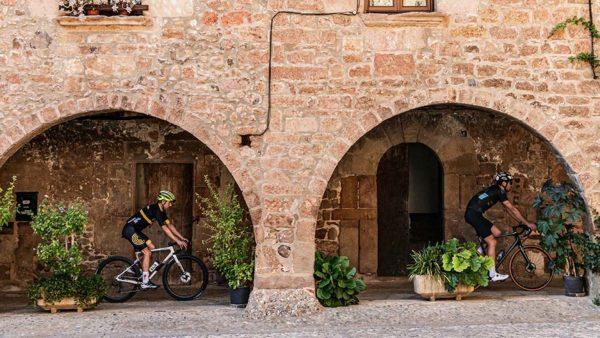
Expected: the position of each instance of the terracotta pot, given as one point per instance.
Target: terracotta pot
(92, 11)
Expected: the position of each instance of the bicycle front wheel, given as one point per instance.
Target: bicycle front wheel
(186, 280)
(530, 268)
(122, 267)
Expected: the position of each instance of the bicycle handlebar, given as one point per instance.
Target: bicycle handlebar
(520, 229)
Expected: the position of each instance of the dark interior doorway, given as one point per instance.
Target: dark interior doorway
(409, 205)
(175, 177)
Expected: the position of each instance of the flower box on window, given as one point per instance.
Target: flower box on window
(398, 6)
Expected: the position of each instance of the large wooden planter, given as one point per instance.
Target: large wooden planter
(64, 304)
(432, 288)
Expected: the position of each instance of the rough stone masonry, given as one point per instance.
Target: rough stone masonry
(203, 66)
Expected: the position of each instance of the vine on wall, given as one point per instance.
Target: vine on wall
(589, 57)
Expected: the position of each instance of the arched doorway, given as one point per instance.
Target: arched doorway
(409, 205)
(115, 163)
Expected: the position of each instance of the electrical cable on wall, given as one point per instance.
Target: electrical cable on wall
(593, 64)
(246, 138)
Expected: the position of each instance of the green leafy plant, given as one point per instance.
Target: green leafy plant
(589, 248)
(596, 301)
(231, 241)
(335, 279)
(58, 227)
(559, 206)
(455, 263)
(85, 289)
(462, 265)
(590, 57)
(427, 261)
(7, 203)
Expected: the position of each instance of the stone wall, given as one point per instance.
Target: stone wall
(472, 145)
(204, 66)
(94, 160)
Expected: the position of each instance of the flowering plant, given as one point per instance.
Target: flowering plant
(77, 7)
(124, 4)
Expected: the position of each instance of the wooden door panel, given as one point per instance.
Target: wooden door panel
(392, 212)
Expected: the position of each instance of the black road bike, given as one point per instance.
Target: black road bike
(530, 266)
(184, 276)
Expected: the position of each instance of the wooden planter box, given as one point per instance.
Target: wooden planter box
(432, 288)
(64, 304)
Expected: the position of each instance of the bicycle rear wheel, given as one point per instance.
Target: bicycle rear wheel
(531, 268)
(118, 291)
(185, 282)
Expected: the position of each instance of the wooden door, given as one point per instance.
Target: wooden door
(176, 178)
(392, 212)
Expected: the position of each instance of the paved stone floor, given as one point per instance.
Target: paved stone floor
(387, 309)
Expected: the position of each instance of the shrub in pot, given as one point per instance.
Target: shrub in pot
(335, 281)
(7, 203)
(58, 226)
(448, 270)
(231, 242)
(559, 206)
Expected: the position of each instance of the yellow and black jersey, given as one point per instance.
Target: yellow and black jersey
(146, 216)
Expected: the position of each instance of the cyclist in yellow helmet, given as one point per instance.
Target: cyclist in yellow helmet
(145, 217)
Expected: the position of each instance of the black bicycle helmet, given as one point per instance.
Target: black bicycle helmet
(503, 176)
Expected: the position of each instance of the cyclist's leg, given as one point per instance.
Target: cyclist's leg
(140, 242)
(486, 230)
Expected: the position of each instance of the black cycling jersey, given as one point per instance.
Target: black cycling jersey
(144, 218)
(485, 199)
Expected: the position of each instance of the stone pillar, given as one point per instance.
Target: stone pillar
(284, 284)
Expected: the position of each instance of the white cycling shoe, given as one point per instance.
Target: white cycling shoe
(498, 277)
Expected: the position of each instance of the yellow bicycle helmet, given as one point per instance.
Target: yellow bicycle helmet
(165, 196)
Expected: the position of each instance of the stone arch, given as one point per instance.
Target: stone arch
(30, 125)
(538, 121)
(456, 152)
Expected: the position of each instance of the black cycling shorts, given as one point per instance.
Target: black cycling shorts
(138, 239)
(482, 225)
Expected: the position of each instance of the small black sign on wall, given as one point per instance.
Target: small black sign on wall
(26, 206)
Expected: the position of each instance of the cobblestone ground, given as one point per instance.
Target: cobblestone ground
(386, 309)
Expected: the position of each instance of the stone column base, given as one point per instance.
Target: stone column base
(271, 303)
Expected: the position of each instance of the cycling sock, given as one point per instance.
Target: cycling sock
(492, 272)
(145, 277)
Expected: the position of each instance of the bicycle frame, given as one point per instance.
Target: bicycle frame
(137, 261)
(516, 243)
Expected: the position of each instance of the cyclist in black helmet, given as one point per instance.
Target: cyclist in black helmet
(144, 218)
(484, 200)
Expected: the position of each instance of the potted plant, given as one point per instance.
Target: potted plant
(93, 7)
(231, 242)
(335, 281)
(79, 7)
(123, 7)
(64, 286)
(7, 203)
(559, 206)
(449, 270)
